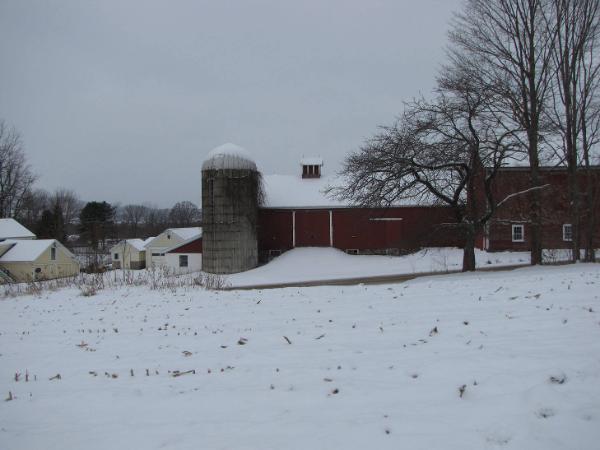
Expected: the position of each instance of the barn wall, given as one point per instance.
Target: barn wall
(555, 210)
(357, 229)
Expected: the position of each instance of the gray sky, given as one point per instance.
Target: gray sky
(121, 100)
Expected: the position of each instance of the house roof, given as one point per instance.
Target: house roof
(11, 229)
(187, 233)
(183, 234)
(28, 250)
(229, 156)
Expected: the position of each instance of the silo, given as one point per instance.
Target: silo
(231, 193)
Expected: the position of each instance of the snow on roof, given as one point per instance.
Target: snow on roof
(138, 244)
(148, 239)
(26, 250)
(187, 233)
(10, 228)
(290, 191)
(312, 161)
(229, 156)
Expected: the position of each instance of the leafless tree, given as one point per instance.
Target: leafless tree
(447, 151)
(16, 177)
(34, 204)
(69, 204)
(511, 43)
(134, 216)
(577, 29)
(184, 214)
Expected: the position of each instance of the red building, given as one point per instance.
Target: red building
(298, 213)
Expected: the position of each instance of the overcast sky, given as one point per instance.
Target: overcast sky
(122, 100)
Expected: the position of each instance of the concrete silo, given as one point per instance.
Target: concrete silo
(231, 191)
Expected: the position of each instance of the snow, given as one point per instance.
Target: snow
(187, 233)
(10, 228)
(312, 161)
(366, 367)
(147, 240)
(137, 244)
(229, 156)
(322, 263)
(25, 250)
(287, 191)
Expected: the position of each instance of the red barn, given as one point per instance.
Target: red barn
(298, 213)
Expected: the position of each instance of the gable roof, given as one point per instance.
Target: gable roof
(183, 233)
(137, 244)
(11, 229)
(29, 250)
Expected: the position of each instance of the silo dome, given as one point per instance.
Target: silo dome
(229, 156)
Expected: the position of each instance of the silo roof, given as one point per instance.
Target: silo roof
(229, 156)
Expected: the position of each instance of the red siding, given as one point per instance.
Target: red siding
(191, 247)
(312, 228)
(274, 230)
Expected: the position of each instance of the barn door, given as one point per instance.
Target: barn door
(312, 229)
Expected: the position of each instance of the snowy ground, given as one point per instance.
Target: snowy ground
(313, 263)
(309, 368)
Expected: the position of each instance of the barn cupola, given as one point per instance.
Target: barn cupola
(311, 167)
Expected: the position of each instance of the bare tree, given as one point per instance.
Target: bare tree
(134, 216)
(184, 214)
(577, 30)
(34, 204)
(511, 43)
(447, 151)
(69, 203)
(16, 178)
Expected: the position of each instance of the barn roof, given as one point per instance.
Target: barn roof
(10, 228)
(289, 191)
(229, 156)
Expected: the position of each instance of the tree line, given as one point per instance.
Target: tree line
(520, 84)
(62, 215)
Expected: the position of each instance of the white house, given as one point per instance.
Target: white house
(157, 247)
(185, 257)
(31, 259)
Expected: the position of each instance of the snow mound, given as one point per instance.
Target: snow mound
(229, 156)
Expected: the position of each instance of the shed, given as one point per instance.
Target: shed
(185, 257)
(32, 260)
(157, 247)
(129, 254)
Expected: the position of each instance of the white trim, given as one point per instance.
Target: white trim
(512, 232)
(386, 219)
(293, 229)
(565, 225)
(330, 228)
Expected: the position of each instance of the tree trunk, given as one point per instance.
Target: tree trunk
(469, 251)
(536, 203)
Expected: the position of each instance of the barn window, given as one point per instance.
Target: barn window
(518, 233)
(567, 232)
(352, 251)
(38, 270)
(53, 253)
(116, 256)
(183, 260)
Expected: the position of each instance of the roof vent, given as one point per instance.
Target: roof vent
(311, 167)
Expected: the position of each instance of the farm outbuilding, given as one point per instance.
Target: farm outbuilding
(185, 257)
(156, 248)
(34, 260)
(129, 254)
(11, 229)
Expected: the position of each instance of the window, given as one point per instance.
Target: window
(567, 232)
(518, 233)
(352, 251)
(116, 256)
(183, 260)
(158, 254)
(53, 253)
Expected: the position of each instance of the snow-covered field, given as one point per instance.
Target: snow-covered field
(466, 361)
(313, 263)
